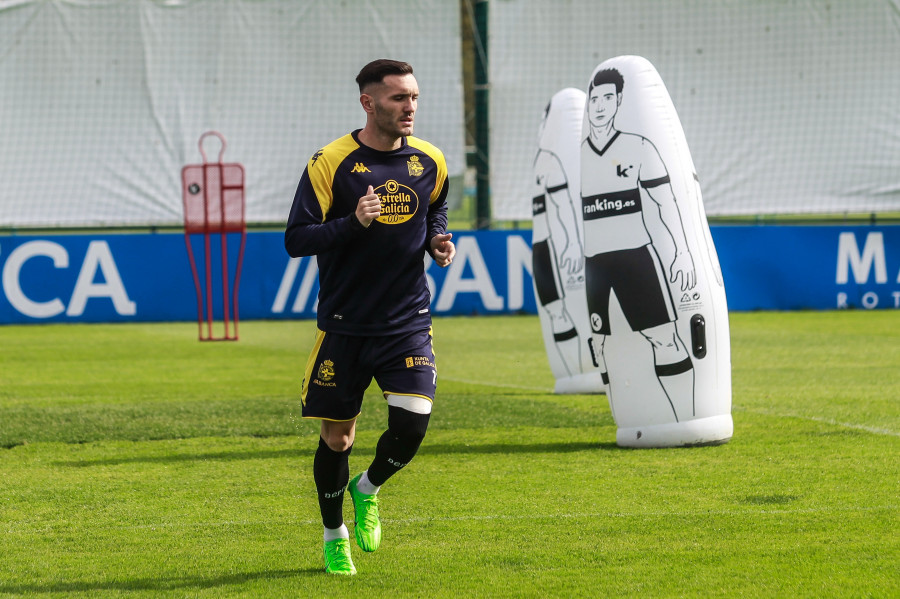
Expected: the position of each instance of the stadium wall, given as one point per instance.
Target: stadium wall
(147, 277)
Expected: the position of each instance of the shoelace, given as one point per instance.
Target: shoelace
(337, 556)
(370, 510)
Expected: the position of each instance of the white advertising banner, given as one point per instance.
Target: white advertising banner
(102, 102)
(789, 106)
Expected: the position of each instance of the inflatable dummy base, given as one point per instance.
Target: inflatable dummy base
(583, 384)
(714, 430)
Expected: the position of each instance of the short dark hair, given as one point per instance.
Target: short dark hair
(377, 70)
(607, 76)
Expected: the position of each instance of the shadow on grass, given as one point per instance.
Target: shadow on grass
(154, 584)
(436, 449)
(491, 448)
(778, 499)
(224, 456)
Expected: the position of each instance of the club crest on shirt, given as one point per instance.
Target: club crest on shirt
(415, 167)
(398, 202)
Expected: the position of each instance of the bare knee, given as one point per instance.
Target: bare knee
(338, 436)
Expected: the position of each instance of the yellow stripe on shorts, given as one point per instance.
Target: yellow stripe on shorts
(311, 363)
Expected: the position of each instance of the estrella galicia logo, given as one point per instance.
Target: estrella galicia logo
(398, 203)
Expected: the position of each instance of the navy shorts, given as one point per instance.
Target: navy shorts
(639, 282)
(546, 275)
(341, 367)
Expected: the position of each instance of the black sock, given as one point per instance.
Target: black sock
(331, 471)
(398, 444)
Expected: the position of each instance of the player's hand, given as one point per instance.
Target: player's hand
(443, 249)
(368, 208)
(683, 267)
(572, 259)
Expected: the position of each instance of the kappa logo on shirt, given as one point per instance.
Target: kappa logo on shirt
(359, 167)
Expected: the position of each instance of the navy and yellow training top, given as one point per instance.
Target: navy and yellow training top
(371, 280)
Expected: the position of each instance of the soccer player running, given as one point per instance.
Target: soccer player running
(370, 205)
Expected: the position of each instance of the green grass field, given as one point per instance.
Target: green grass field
(139, 462)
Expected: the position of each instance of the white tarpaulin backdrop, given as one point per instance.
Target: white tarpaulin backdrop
(102, 102)
(789, 106)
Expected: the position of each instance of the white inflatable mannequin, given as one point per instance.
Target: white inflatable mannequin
(655, 295)
(557, 248)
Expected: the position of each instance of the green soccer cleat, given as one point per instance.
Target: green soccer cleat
(368, 526)
(337, 558)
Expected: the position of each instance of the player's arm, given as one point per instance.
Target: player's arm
(683, 263)
(655, 181)
(557, 192)
(309, 233)
(437, 240)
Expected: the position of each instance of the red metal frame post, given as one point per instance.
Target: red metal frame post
(213, 195)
